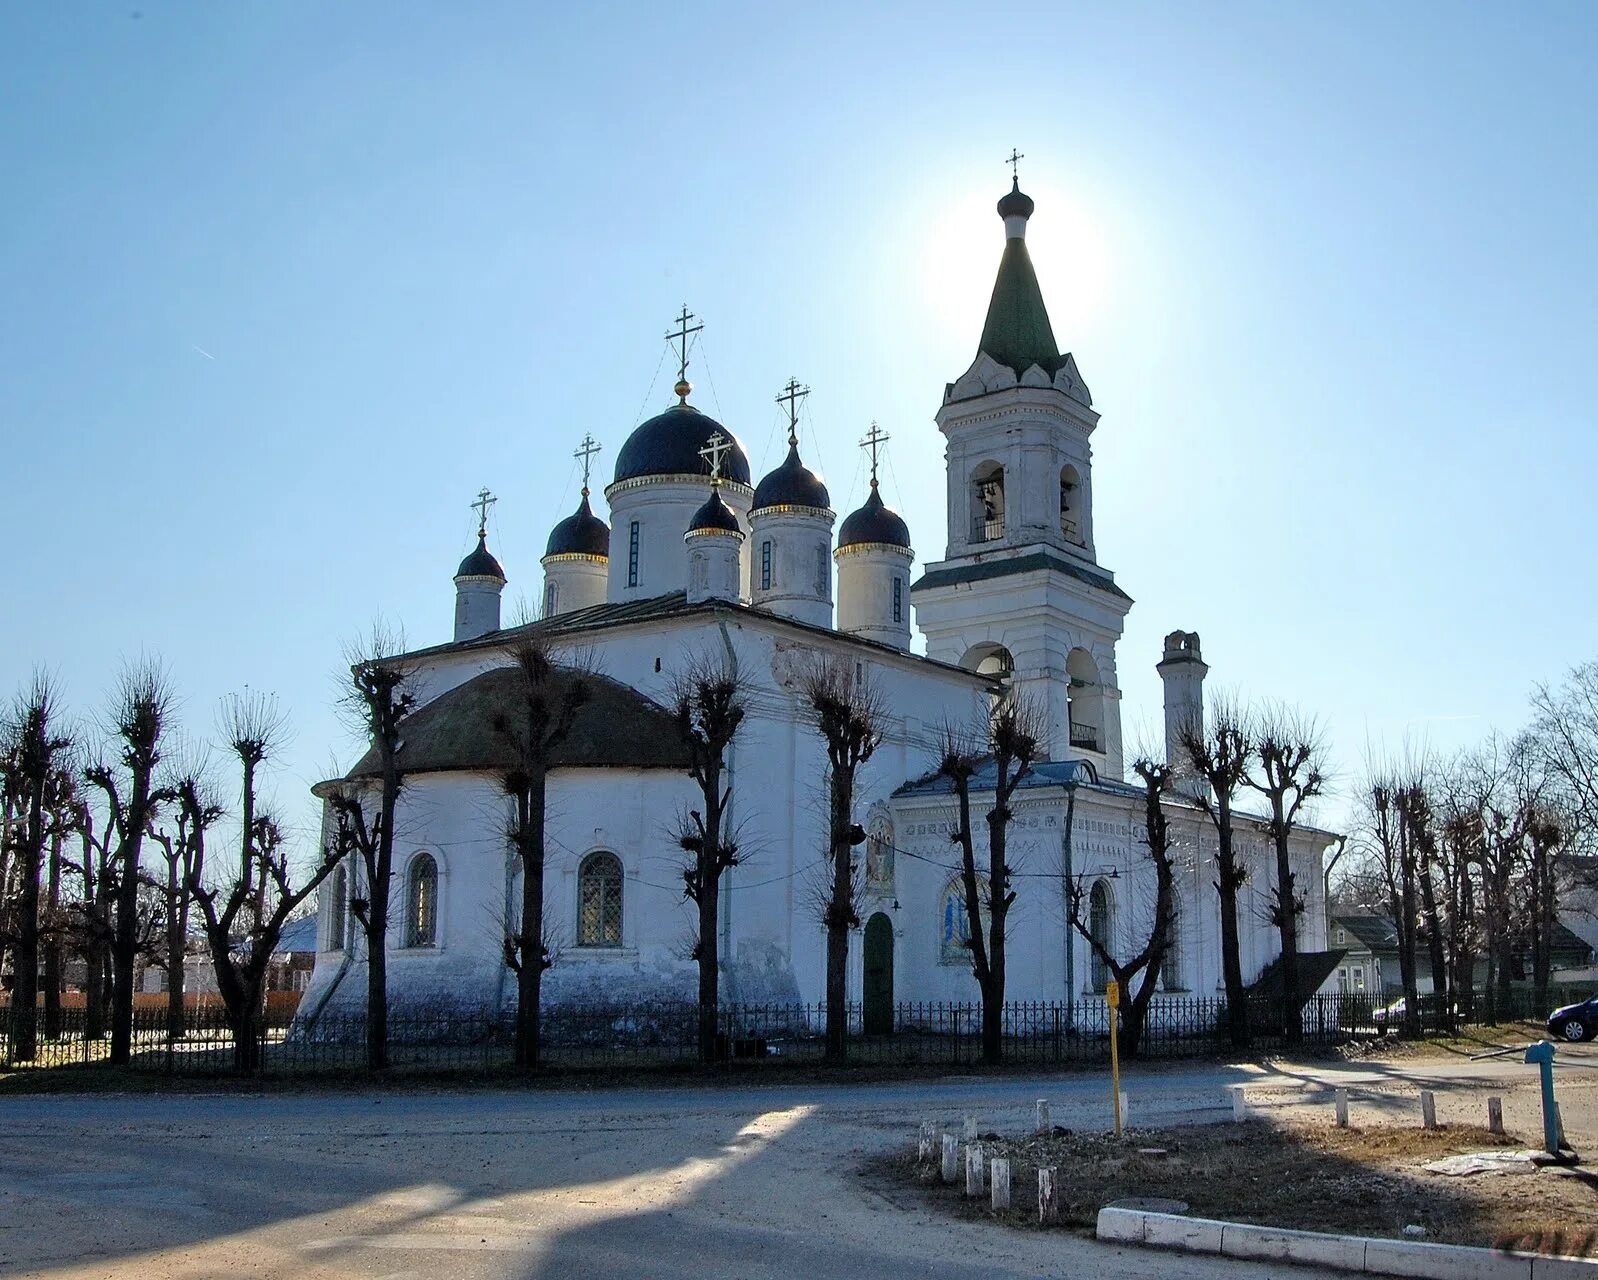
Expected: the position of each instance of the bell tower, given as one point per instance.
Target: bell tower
(1021, 592)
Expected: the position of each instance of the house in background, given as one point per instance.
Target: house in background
(1369, 944)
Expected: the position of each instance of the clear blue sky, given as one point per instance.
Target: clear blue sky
(285, 284)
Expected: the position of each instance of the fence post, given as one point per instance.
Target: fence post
(976, 1180)
(1043, 1124)
(1428, 1109)
(999, 1182)
(1239, 1103)
(951, 1158)
(1048, 1196)
(968, 1130)
(1341, 1098)
(1495, 1115)
(927, 1141)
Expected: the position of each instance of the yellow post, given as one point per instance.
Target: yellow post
(1112, 997)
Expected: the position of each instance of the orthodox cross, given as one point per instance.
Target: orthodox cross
(1013, 160)
(792, 394)
(585, 452)
(680, 336)
(484, 501)
(875, 439)
(714, 449)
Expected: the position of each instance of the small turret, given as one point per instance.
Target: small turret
(478, 585)
(1182, 670)
(715, 539)
(577, 557)
(874, 557)
(791, 540)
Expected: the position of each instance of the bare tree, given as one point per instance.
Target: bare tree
(37, 746)
(380, 694)
(1012, 738)
(532, 726)
(709, 704)
(1566, 729)
(1220, 753)
(1150, 959)
(141, 709)
(254, 730)
(1289, 755)
(849, 716)
(1397, 856)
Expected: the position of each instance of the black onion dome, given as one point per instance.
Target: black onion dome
(874, 522)
(1016, 203)
(791, 485)
(715, 514)
(480, 564)
(581, 533)
(669, 443)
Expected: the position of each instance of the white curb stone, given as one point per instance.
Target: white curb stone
(1419, 1259)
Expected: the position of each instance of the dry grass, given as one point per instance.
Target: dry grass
(1308, 1177)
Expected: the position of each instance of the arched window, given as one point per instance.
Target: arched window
(955, 921)
(987, 503)
(1087, 701)
(337, 899)
(599, 901)
(421, 902)
(1099, 929)
(1071, 505)
(989, 659)
(551, 598)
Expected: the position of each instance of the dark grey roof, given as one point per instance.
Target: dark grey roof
(581, 533)
(1043, 559)
(297, 936)
(480, 564)
(616, 726)
(1048, 773)
(791, 485)
(874, 522)
(669, 443)
(715, 514)
(1376, 932)
(1015, 203)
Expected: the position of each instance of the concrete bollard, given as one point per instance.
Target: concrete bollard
(1428, 1109)
(951, 1158)
(1043, 1125)
(1341, 1099)
(999, 1181)
(1048, 1196)
(1495, 1115)
(969, 1129)
(976, 1171)
(929, 1140)
(1239, 1102)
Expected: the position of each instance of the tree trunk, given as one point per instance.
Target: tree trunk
(125, 944)
(998, 913)
(709, 914)
(1436, 952)
(176, 927)
(53, 946)
(839, 912)
(530, 974)
(1287, 929)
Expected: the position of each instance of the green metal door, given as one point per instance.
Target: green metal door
(878, 1003)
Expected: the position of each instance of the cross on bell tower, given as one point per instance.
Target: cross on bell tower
(1014, 161)
(585, 453)
(875, 439)
(484, 501)
(791, 395)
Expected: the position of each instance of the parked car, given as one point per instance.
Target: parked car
(1390, 1016)
(1432, 1010)
(1575, 1021)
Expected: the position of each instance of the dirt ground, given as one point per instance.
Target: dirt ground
(1290, 1166)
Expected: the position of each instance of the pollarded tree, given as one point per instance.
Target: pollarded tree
(141, 711)
(532, 725)
(1011, 738)
(1150, 958)
(379, 695)
(1220, 752)
(709, 705)
(848, 714)
(1290, 773)
(253, 728)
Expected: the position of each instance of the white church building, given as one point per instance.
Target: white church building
(693, 563)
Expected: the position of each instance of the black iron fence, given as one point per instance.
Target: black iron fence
(664, 1035)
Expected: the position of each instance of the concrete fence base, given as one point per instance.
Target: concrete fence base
(1346, 1253)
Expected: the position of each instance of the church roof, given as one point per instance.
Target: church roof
(1046, 773)
(581, 533)
(480, 563)
(669, 443)
(616, 727)
(1020, 564)
(874, 522)
(714, 516)
(1017, 332)
(792, 485)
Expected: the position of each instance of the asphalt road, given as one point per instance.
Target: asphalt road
(680, 1182)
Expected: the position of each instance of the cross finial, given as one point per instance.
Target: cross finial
(791, 395)
(715, 449)
(484, 501)
(680, 336)
(875, 439)
(585, 452)
(1014, 161)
